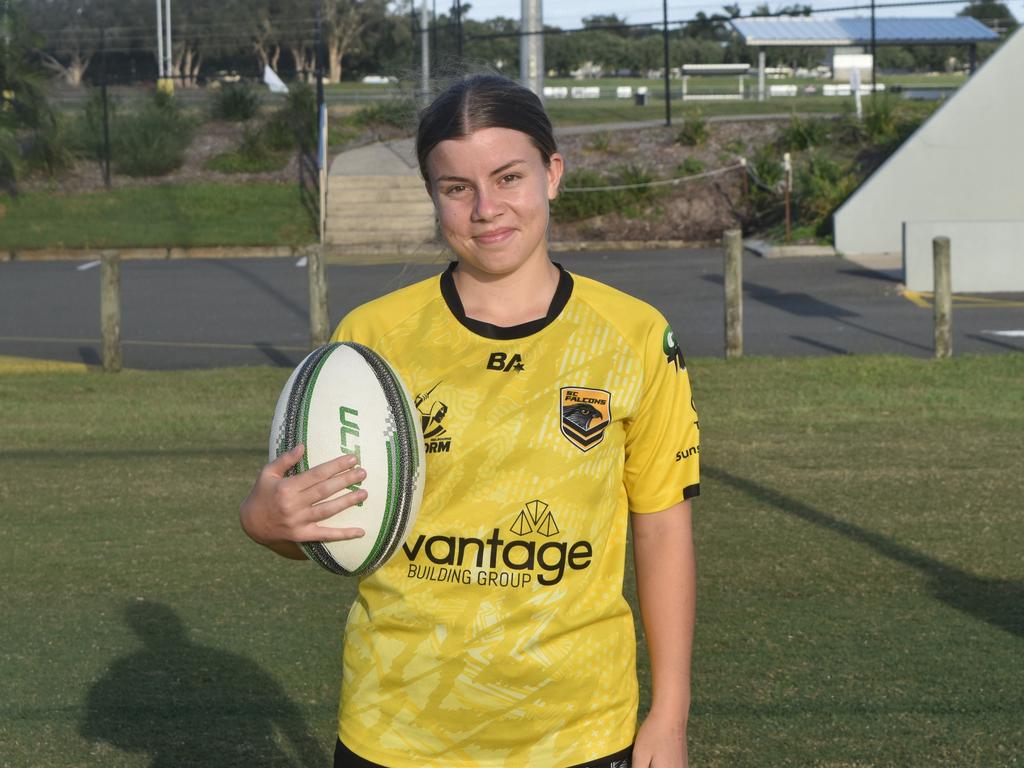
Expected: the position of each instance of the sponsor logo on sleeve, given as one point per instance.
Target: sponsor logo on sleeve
(671, 349)
(432, 415)
(584, 415)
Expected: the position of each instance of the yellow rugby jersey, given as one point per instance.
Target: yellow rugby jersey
(498, 635)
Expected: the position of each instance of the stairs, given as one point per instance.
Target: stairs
(379, 210)
(377, 205)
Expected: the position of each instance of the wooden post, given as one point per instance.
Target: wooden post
(110, 310)
(319, 319)
(943, 298)
(733, 293)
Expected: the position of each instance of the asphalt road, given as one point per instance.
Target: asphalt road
(199, 314)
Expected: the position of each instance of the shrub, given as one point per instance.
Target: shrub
(804, 133)
(252, 155)
(85, 133)
(821, 185)
(766, 172)
(574, 206)
(152, 141)
(880, 120)
(294, 124)
(694, 131)
(690, 166)
(48, 150)
(395, 113)
(236, 102)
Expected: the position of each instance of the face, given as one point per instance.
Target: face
(491, 190)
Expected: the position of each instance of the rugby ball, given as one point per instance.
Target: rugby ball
(345, 398)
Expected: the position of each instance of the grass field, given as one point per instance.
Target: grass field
(861, 589)
(185, 215)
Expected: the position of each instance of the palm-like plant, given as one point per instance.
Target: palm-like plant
(24, 110)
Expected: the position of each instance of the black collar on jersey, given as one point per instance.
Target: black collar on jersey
(490, 331)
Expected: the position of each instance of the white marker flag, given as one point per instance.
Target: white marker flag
(274, 83)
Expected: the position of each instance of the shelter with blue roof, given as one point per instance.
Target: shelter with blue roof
(788, 31)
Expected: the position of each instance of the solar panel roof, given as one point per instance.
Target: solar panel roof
(776, 30)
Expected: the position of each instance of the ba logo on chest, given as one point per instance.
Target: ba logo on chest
(501, 361)
(584, 415)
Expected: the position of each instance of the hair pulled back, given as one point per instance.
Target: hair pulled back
(484, 101)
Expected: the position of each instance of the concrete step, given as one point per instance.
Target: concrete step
(351, 194)
(339, 235)
(389, 222)
(378, 182)
(373, 210)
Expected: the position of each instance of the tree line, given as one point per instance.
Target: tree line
(360, 37)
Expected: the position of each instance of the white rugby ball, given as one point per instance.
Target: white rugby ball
(345, 398)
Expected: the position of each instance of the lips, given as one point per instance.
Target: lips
(494, 236)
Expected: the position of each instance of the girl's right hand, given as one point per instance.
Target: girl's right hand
(281, 511)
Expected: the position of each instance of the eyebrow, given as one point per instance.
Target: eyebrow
(495, 172)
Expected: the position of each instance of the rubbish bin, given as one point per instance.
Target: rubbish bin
(640, 98)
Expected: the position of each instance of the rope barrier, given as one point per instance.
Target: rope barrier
(659, 183)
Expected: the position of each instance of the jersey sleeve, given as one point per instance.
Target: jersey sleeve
(662, 456)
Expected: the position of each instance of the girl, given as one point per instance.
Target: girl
(555, 409)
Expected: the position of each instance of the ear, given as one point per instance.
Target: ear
(556, 165)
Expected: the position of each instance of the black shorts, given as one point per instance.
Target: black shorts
(346, 758)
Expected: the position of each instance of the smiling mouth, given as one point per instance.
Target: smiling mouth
(494, 236)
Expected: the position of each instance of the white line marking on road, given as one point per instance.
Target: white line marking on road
(1005, 333)
(87, 265)
(301, 262)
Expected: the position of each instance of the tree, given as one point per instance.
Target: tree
(69, 34)
(607, 21)
(993, 14)
(343, 24)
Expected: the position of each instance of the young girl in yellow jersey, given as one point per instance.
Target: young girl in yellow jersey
(557, 413)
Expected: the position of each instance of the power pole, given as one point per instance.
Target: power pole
(318, 58)
(664, 38)
(168, 68)
(458, 28)
(425, 51)
(531, 47)
(159, 41)
(873, 51)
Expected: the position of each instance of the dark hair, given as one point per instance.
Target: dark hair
(484, 101)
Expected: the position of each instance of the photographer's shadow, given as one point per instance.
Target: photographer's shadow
(187, 704)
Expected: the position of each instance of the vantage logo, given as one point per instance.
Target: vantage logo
(496, 561)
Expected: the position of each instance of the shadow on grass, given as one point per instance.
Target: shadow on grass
(997, 602)
(186, 704)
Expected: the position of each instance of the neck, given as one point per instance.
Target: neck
(507, 300)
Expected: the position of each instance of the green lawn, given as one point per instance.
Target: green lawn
(257, 213)
(861, 584)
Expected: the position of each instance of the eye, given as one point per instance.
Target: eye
(510, 178)
(455, 189)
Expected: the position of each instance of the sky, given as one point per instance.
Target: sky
(567, 13)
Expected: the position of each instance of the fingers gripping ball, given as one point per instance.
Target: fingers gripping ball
(345, 398)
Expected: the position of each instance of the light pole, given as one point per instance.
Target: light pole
(873, 51)
(531, 47)
(664, 38)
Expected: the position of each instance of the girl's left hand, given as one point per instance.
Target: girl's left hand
(660, 744)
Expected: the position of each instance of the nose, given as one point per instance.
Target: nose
(487, 204)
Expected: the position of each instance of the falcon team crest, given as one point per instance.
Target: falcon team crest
(584, 415)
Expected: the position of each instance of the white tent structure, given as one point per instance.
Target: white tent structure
(961, 175)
